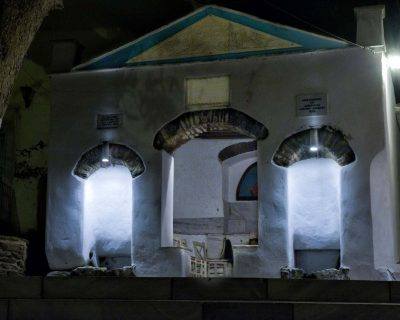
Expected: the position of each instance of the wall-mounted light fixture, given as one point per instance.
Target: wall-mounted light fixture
(105, 154)
(314, 140)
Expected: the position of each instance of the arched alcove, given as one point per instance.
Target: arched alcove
(108, 202)
(313, 160)
(192, 196)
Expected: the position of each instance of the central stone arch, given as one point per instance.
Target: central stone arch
(195, 124)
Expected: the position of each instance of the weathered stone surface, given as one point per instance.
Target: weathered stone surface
(59, 274)
(12, 256)
(193, 124)
(291, 273)
(20, 287)
(333, 274)
(120, 155)
(95, 309)
(332, 290)
(247, 310)
(308, 311)
(102, 271)
(106, 288)
(331, 142)
(3, 309)
(219, 289)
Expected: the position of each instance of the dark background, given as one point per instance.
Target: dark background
(102, 25)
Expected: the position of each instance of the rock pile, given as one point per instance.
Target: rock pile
(12, 256)
(89, 271)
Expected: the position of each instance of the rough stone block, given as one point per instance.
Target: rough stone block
(351, 311)
(95, 309)
(12, 255)
(219, 289)
(329, 290)
(107, 288)
(247, 310)
(20, 287)
(3, 309)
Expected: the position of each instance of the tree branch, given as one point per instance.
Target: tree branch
(19, 22)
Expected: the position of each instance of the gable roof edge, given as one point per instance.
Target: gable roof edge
(143, 43)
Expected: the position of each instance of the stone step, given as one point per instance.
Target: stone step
(188, 298)
(247, 289)
(44, 309)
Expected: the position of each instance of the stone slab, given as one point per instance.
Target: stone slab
(328, 290)
(219, 289)
(3, 309)
(128, 288)
(20, 287)
(104, 310)
(247, 310)
(395, 291)
(350, 311)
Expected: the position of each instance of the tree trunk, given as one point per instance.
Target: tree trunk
(19, 22)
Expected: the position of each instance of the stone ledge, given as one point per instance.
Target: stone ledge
(103, 309)
(219, 289)
(20, 287)
(194, 310)
(329, 290)
(325, 311)
(107, 288)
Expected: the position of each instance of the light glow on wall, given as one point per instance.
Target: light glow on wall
(108, 212)
(314, 204)
(394, 62)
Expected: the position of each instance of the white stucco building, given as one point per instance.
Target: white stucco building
(223, 126)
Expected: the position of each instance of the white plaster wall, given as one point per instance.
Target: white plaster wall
(262, 87)
(108, 212)
(383, 220)
(314, 204)
(198, 178)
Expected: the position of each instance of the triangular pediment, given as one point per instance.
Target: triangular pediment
(212, 33)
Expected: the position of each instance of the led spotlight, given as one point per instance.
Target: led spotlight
(105, 154)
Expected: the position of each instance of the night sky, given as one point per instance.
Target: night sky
(102, 25)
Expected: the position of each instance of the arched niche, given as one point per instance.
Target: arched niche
(324, 142)
(216, 125)
(107, 200)
(313, 160)
(199, 123)
(120, 154)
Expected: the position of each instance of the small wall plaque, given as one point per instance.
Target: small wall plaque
(109, 121)
(311, 105)
(203, 93)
